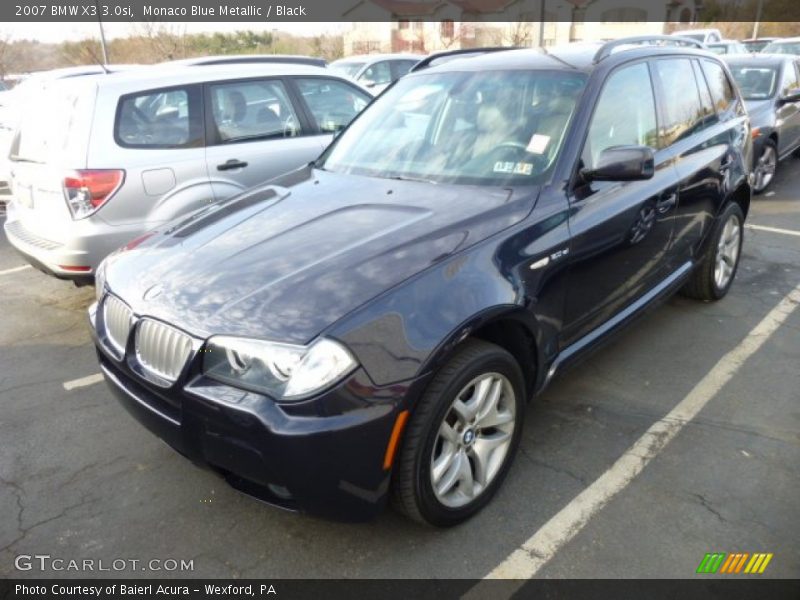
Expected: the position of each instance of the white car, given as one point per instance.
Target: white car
(13, 102)
(783, 46)
(375, 71)
(706, 36)
(727, 47)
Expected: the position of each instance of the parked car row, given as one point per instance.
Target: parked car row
(337, 302)
(714, 41)
(767, 70)
(770, 86)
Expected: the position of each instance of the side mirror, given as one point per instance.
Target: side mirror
(791, 96)
(622, 163)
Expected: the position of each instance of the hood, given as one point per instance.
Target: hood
(285, 263)
(761, 112)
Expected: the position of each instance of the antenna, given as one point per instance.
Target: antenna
(102, 38)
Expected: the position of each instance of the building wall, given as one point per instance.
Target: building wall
(563, 23)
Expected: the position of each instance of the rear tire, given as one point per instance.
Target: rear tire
(712, 278)
(461, 438)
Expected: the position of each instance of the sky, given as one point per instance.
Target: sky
(59, 32)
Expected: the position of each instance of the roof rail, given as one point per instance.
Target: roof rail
(448, 55)
(231, 59)
(643, 40)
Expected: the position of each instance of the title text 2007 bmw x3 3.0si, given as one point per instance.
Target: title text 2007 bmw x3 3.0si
(369, 327)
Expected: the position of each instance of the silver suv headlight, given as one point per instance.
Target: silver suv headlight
(283, 371)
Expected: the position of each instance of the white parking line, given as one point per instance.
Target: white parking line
(15, 270)
(535, 552)
(772, 229)
(83, 381)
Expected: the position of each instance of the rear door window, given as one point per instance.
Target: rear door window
(252, 110)
(789, 80)
(332, 103)
(378, 74)
(401, 67)
(165, 118)
(721, 88)
(706, 101)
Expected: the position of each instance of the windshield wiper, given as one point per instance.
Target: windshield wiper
(417, 179)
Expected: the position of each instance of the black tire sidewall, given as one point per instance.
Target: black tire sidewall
(498, 361)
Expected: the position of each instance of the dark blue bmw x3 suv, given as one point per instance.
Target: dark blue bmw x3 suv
(370, 327)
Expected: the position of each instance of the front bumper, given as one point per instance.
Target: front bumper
(324, 455)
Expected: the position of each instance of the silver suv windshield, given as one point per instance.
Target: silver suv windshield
(480, 128)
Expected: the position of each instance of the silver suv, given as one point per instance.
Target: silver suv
(100, 160)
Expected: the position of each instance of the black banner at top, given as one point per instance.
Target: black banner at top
(574, 11)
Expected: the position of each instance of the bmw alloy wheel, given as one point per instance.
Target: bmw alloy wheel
(727, 251)
(473, 440)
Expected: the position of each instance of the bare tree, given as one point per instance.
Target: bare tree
(86, 51)
(513, 33)
(329, 47)
(6, 53)
(166, 41)
(520, 33)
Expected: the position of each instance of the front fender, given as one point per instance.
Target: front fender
(396, 335)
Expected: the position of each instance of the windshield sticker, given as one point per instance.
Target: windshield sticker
(521, 168)
(538, 143)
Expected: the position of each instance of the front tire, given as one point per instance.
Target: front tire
(714, 275)
(462, 437)
(765, 167)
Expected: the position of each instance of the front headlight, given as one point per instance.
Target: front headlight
(283, 371)
(99, 280)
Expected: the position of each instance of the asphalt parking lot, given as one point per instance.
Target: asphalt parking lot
(81, 479)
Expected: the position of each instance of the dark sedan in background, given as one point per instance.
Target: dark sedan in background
(770, 86)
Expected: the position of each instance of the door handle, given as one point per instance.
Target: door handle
(233, 163)
(666, 203)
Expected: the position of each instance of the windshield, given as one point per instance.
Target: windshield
(53, 122)
(718, 48)
(756, 46)
(349, 69)
(755, 83)
(782, 48)
(484, 128)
